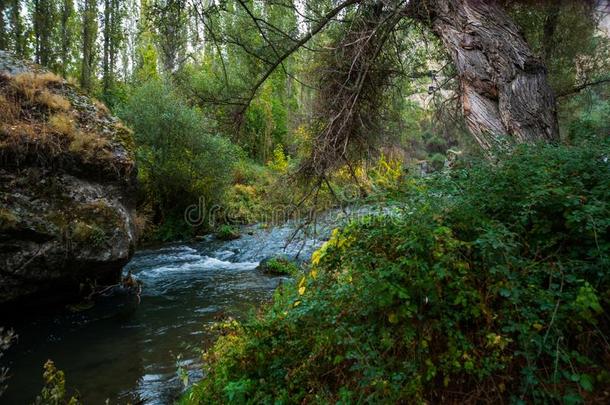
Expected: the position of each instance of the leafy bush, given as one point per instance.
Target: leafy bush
(180, 163)
(489, 284)
(54, 391)
(437, 162)
(593, 122)
(278, 266)
(279, 162)
(228, 232)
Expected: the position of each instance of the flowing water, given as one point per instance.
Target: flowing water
(127, 351)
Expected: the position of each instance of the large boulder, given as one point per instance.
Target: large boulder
(67, 188)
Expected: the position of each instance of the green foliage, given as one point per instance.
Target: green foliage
(279, 266)
(54, 391)
(591, 122)
(227, 232)
(485, 284)
(567, 37)
(180, 164)
(279, 162)
(437, 161)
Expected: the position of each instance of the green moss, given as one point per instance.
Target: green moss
(8, 219)
(279, 266)
(228, 232)
(85, 233)
(124, 136)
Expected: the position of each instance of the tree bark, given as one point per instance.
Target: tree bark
(504, 90)
(107, 38)
(3, 32)
(88, 43)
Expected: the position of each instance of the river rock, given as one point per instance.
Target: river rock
(277, 266)
(67, 188)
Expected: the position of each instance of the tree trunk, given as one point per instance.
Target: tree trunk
(66, 12)
(504, 91)
(88, 43)
(3, 31)
(107, 39)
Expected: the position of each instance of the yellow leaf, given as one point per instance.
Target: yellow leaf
(315, 257)
(314, 273)
(393, 318)
(296, 303)
(302, 290)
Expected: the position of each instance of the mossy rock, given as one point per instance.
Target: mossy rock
(228, 232)
(278, 266)
(67, 188)
(8, 219)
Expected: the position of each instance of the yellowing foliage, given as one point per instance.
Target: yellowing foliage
(279, 161)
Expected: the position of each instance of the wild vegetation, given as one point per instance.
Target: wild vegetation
(480, 129)
(486, 283)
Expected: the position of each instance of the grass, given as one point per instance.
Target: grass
(64, 124)
(90, 147)
(54, 102)
(9, 110)
(23, 140)
(39, 123)
(33, 87)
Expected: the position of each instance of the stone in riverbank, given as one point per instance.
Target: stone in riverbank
(278, 266)
(67, 186)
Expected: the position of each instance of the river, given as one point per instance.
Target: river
(126, 351)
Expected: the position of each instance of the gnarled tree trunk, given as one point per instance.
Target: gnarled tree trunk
(504, 89)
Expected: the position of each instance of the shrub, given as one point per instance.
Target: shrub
(278, 266)
(228, 232)
(279, 162)
(180, 164)
(54, 391)
(488, 284)
(437, 162)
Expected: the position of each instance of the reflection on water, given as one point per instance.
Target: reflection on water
(127, 351)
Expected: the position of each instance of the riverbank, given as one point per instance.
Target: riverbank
(131, 351)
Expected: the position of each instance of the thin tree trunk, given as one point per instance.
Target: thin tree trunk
(18, 35)
(504, 89)
(550, 26)
(3, 31)
(65, 36)
(88, 43)
(107, 39)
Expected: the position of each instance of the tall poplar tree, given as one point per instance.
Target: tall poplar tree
(89, 30)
